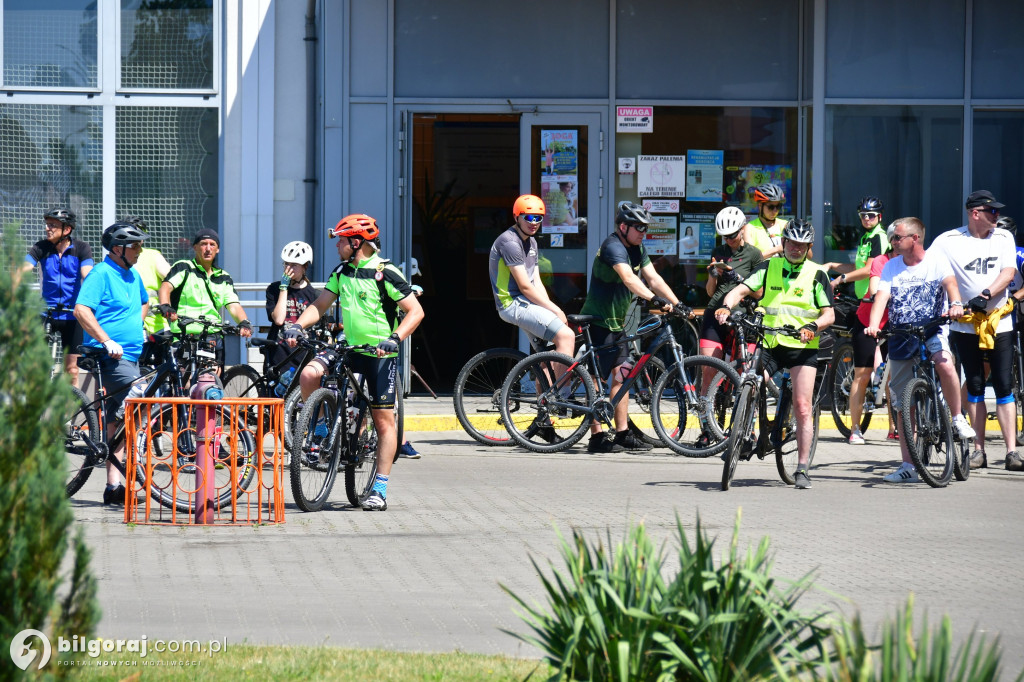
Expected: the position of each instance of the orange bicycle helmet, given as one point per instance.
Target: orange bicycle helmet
(356, 225)
(769, 192)
(528, 204)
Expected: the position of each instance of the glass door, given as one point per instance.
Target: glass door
(560, 162)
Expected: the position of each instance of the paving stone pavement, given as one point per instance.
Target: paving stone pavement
(465, 519)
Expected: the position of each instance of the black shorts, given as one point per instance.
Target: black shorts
(70, 333)
(863, 345)
(1000, 359)
(381, 375)
(785, 357)
(609, 358)
(713, 334)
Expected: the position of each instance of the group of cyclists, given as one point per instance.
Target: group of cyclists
(966, 275)
(768, 260)
(108, 305)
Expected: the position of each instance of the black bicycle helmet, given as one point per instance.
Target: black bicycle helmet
(870, 205)
(64, 215)
(1008, 224)
(799, 230)
(632, 214)
(136, 221)
(122, 234)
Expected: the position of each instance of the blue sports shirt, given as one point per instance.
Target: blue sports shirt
(116, 297)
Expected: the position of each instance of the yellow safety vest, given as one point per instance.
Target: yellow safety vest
(789, 301)
(766, 238)
(151, 279)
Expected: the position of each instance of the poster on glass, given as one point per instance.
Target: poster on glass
(559, 181)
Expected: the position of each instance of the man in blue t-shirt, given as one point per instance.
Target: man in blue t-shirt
(111, 306)
(63, 263)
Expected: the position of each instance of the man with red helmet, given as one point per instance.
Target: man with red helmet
(371, 290)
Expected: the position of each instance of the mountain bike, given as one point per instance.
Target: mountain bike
(751, 431)
(170, 429)
(335, 430)
(549, 400)
(927, 427)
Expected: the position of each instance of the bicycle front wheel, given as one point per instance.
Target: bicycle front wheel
(643, 395)
(928, 431)
(173, 442)
(784, 441)
(80, 428)
(241, 381)
(1018, 396)
(314, 464)
(543, 401)
(840, 383)
(739, 431)
(692, 403)
(477, 391)
(361, 443)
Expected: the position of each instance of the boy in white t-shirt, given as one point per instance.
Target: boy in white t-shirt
(915, 284)
(984, 260)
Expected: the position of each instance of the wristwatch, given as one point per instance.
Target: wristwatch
(956, 303)
(842, 277)
(986, 293)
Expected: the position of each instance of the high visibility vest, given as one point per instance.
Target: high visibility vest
(151, 279)
(789, 301)
(765, 238)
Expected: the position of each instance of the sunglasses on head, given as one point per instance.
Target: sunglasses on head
(869, 215)
(533, 218)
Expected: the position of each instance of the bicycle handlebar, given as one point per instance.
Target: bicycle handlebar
(207, 325)
(921, 331)
(756, 324)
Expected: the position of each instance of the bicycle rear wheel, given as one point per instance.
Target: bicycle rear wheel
(542, 402)
(643, 395)
(293, 404)
(241, 381)
(79, 429)
(1018, 395)
(928, 431)
(315, 453)
(962, 461)
(477, 391)
(173, 441)
(692, 403)
(739, 431)
(840, 381)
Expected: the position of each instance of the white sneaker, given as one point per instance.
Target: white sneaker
(963, 429)
(905, 474)
(856, 438)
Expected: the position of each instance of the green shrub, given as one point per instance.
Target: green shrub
(614, 616)
(35, 516)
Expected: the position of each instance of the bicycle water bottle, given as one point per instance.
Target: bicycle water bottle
(137, 390)
(876, 380)
(625, 369)
(284, 382)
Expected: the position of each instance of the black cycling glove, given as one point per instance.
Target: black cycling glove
(390, 344)
(657, 303)
(165, 309)
(978, 304)
(292, 331)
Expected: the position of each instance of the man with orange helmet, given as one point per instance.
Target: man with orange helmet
(371, 290)
(518, 291)
(765, 231)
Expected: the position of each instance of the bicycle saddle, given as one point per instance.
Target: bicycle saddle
(582, 320)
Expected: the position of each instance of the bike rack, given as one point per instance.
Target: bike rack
(170, 455)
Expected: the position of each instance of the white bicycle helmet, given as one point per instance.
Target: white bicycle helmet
(297, 252)
(729, 221)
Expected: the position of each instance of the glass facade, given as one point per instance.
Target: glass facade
(167, 45)
(50, 44)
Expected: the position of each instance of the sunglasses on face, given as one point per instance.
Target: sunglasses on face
(895, 239)
(869, 215)
(535, 219)
(639, 227)
(988, 209)
(773, 207)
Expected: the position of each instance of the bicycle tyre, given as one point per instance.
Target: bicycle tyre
(742, 420)
(292, 407)
(477, 391)
(314, 464)
(643, 394)
(83, 424)
(242, 381)
(840, 378)
(962, 462)
(361, 440)
(1018, 396)
(528, 389)
(786, 452)
(931, 445)
(182, 446)
(680, 398)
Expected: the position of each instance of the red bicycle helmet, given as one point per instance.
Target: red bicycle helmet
(528, 204)
(356, 225)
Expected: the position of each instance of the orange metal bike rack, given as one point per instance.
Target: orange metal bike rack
(170, 460)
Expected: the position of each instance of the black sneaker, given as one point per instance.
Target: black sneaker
(547, 434)
(629, 441)
(601, 443)
(114, 495)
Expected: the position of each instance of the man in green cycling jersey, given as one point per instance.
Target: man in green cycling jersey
(371, 291)
(793, 291)
(197, 288)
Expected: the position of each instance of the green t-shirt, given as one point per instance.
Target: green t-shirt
(192, 290)
(742, 261)
(368, 293)
(608, 298)
(873, 243)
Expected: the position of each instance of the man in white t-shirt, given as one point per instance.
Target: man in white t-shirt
(984, 260)
(915, 285)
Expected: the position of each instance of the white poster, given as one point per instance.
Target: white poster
(661, 176)
(661, 205)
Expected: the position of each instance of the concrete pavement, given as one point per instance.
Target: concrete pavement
(425, 575)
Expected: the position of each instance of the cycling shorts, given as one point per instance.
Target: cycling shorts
(863, 345)
(972, 359)
(786, 357)
(608, 358)
(381, 375)
(70, 333)
(533, 319)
